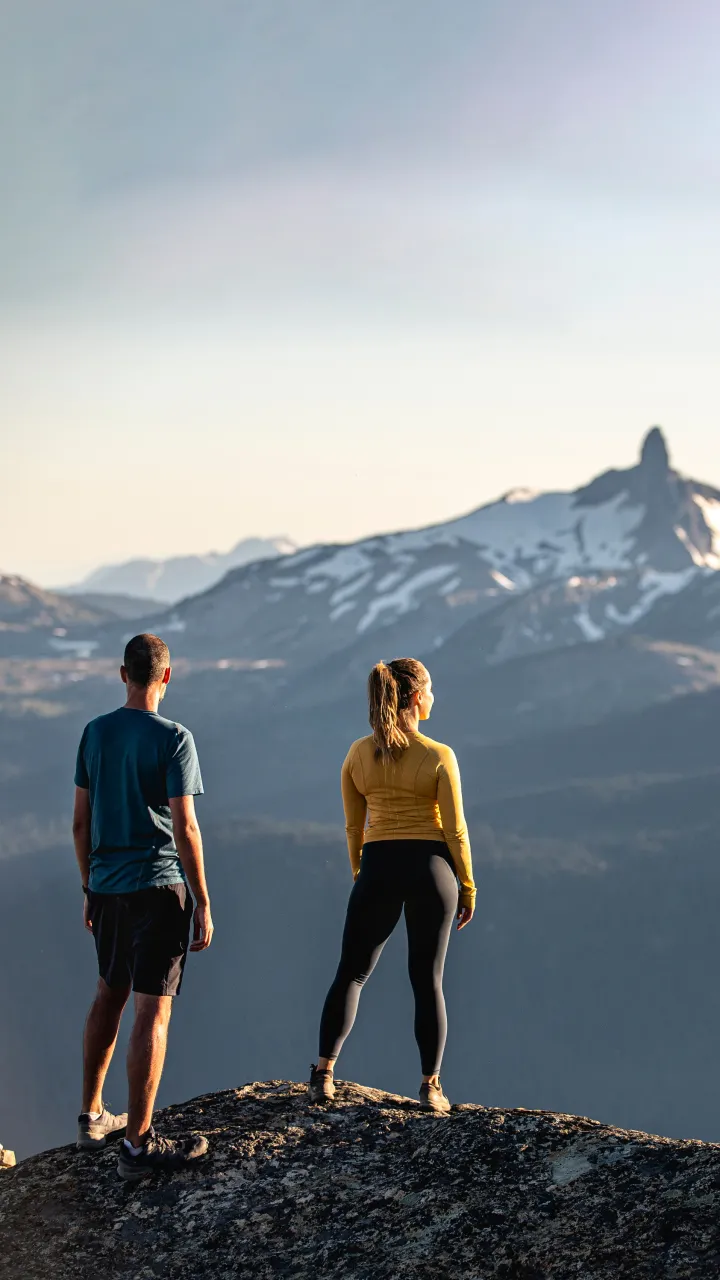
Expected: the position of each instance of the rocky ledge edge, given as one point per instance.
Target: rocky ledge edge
(374, 1188)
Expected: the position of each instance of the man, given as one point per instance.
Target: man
(138, 848)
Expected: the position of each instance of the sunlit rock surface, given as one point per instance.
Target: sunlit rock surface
(372, 1187)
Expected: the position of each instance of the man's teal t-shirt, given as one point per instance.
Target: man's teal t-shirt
(133, 763)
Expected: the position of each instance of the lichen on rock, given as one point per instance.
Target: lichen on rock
(374, 1188)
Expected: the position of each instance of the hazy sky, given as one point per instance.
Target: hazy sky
(326, 267)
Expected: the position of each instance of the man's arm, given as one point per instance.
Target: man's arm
(81, 839)
(190, 851)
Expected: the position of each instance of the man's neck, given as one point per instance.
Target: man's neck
(139, 699)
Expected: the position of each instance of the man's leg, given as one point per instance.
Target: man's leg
(101, 1032)
(145, 1061)
(95, 1124)
(160, 934)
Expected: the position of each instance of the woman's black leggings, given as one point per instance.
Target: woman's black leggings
(417, 875)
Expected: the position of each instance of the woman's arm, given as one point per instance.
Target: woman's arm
(355, 807)
(455, 830)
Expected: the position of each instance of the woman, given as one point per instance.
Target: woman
(415, 844)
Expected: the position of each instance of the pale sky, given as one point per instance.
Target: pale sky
(329, 267)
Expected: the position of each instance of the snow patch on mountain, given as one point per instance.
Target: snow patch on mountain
(521, 495)
(344, 564)
(711, 513)
(403, 599)
(340, 609)
(502, 581)
(653, 585)
(352, 588)
(591, 631)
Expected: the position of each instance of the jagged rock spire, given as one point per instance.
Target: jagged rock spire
(654, 454)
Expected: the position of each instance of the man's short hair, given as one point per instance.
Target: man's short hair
(146, 659)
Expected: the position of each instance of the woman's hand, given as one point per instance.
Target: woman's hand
(464, 916)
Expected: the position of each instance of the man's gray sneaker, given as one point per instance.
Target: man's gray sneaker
(432, 1098)
(159, 1155)
(93, 1134)
(322, 1086)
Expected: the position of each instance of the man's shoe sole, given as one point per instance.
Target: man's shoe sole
(99, 1144)
(134, 1175)
(132, 1172)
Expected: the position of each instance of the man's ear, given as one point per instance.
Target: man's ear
(123, 675)
(166, 675)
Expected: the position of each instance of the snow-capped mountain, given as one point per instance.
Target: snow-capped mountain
(180, 576)
(577, 566)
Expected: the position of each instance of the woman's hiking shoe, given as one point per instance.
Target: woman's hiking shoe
(322, 1086)
(159, 1155)
(432, 1098)
(93, 1134)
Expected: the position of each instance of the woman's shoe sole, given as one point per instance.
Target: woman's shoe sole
(318, 1101)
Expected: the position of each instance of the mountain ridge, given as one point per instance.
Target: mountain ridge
(172, 579)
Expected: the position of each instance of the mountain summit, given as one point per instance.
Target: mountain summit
(654, 455)
(372, 1187)
(679, 519)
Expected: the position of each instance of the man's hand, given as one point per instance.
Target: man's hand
(202, 928)
(190, 852)
(87, 920)
(464, 916)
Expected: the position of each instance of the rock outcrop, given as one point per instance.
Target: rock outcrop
(373, 1188)
(7, 1158)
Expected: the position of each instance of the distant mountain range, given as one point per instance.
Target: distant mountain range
(530, 572)
(36, 623)
(180, 576)
(634, 551)
(25, 607)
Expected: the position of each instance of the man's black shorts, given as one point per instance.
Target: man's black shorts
(142, 938)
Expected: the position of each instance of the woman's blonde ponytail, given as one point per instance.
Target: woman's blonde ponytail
(390, 687)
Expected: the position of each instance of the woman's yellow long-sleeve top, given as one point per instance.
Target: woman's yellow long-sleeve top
(415, 797)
